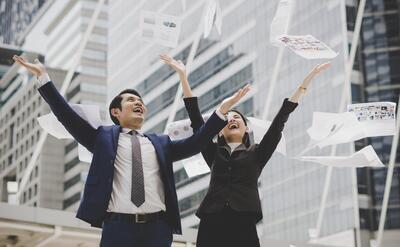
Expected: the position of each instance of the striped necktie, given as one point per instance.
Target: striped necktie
(137, 189)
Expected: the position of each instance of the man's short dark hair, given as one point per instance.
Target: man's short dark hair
(116, 102)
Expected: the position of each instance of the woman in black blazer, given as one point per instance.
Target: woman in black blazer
(231, 207)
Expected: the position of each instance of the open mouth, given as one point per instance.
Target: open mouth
(233, 126)
(139, 110)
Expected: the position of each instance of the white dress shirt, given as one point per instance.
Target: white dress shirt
(234, 145)
(120, 201)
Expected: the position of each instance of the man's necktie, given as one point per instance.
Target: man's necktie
(137, 189)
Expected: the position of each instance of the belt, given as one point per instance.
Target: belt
(135, 218)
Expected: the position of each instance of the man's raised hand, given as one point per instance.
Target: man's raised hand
(36, 68)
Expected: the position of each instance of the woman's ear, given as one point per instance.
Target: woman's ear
(247, 129)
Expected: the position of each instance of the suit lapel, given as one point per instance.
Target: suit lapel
(116, 129)
(159, 150)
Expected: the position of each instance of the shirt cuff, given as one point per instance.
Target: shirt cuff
(43, 79)
(220, 115)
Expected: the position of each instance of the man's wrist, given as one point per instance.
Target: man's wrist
(43, 78)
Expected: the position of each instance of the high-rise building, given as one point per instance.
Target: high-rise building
(15, 16)
(378, 63)
(20, 131)
(59, 30)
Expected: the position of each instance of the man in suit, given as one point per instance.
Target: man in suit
(130, 190)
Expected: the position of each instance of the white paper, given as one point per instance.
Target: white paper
(307, 47)
(377, 118)
(213, 16)
(280, 23)
(195, 166)
(159, 28)
(84, 154)
(366, 157)
(259, 128)
(90, 113)
(218, 18)
(362, 120)
(334, 128)
(50, 124)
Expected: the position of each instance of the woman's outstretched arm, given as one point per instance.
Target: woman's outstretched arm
(271, 139)
(306, 82)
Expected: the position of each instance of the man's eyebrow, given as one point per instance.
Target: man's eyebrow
(133, 97)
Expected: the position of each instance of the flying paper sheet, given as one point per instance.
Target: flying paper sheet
(195, 166)
(366, 157)
(259, 128)
(362, 120)
(334, 128)
(50, 124)
(84, 154)
(159, 28)
(213, 17)
(281, 21)
(308, 47)
(376, 119)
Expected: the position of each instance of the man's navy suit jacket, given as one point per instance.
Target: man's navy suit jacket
(103, 142)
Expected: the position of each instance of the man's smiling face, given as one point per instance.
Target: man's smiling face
(132, 112)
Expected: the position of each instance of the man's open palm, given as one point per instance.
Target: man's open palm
(36, 68)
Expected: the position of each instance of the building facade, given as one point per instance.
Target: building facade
(19, 132)
(59, 31)
(378, 62)
(15, 17)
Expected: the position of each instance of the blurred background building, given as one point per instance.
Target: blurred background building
(15, 17)
(115, 58)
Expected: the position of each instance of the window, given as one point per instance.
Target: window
(72, 181)
(71, 200)
(71, 164)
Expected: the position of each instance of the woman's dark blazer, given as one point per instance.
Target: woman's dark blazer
(234, 176)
